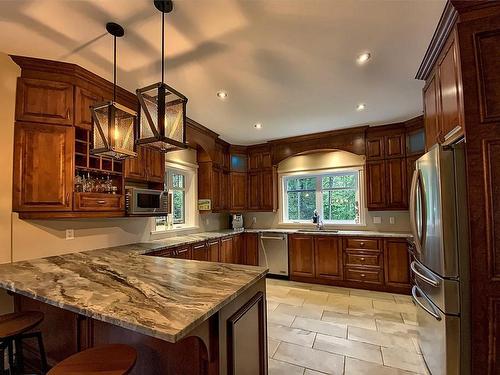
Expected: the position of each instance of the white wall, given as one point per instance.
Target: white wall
(328, 160)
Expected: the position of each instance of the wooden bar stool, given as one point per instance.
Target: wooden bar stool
(113, 359)
(14, 329)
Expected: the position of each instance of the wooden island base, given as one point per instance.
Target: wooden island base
(232, 339)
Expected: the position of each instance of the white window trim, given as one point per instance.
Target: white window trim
(312, 173)
(191, 197)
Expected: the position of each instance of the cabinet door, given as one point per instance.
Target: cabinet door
(431, 118)
(301, 256)
(267, 161)
(226, 250)
(254, 190)
(43, 167)
(449, 94)
(375, 148)
(250, 249)
(213, 251)
(267, 199)
(155, 166)
(237, 249)
(200, 251)
(395, 146)
(238, 190)
(396, 263)
(254, 161)
(44, 101)
(375, 184)
(327, 257)
(184, 252)
(397, 194)
(83, 100)
(216, 189)
(135, 168)
(224, 190)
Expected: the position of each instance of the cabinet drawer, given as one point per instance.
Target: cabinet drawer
(362, 259)
(98, 202)
(161, 253)
(364, 275)
(362, 243)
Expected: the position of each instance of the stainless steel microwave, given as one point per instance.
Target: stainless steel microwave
(146, 202)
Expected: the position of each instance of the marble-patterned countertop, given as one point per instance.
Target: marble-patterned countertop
(354, 233)
(160, 297)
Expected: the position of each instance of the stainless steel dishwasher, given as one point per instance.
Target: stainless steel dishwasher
(273, 252)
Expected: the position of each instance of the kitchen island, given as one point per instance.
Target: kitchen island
(183, 316)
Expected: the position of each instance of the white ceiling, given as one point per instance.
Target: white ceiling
(289, 64)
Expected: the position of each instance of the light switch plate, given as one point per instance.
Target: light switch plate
(70, 234)
(377, 220)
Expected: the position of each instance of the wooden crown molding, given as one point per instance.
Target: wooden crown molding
(443, 30)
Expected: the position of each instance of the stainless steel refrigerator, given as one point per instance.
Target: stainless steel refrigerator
(438, 217)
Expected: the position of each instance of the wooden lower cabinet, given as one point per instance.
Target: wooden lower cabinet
(250, 249)
(200, 251)
(366, 263)
(226, 250)
(213, 250)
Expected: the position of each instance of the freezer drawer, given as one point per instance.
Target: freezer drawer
(438, 336)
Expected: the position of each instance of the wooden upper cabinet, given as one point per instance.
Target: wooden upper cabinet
(301, 256)
(238, 182)
(224, 190)
(328, 257)
(395, 145)
(44, 101)
(254, 161)
(43, 167)
(267, 161)
(155, 166)
(431, 118)
(135, 167)
(395, 184)
(396, 263)
(83, 100)
(254, 190)
(450, 93)
(375, 148)
(375, 184)
(216, 189)
(268, 193)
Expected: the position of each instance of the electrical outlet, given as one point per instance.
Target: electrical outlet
(392, 220)
(70, 234)
(377, 220)
(207, 221)
(254, 220)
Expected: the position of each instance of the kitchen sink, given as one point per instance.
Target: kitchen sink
(317, 231)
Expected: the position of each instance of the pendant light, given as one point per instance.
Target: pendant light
(162, 115)
(113, 133)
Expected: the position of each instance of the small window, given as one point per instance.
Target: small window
(177, 186)
(335, 195)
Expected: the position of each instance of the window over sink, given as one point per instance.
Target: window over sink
(335, 194)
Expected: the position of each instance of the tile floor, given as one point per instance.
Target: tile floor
(316, 329)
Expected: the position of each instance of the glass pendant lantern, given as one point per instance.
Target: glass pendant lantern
(114, 125)
(162, 116)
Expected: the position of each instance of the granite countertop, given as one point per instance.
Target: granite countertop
(159, 297)
(311, 231)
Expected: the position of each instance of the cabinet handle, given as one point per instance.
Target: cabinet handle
(214, 243)
(181, 251)
(362, 259)
(67, 114)
(101, 202)
(362, 244)
(363, 275)
(199, 246)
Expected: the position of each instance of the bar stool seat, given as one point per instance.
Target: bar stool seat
(14, 328)
(113, 359)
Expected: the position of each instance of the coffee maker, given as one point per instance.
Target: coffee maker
(237, 221)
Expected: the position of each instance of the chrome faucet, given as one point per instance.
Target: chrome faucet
(316, 219)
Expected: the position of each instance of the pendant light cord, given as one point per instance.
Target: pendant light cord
(114, 68)
(162, 47)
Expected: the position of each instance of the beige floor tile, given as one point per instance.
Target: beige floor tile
(372, 294)
(358, 367)
(367, 312)
(288, 300)
(272, 345)
(355, 349)
(400, 329)
(316, 325)
(305, 312)
(331, 289)
(312, 372)
(409, 361)
(292, 335)
(410, 318)
(271, 305)
(283, 368)
(351, 300)
(393, 306)
(310, 358)
(280, 318)
(401, 298)
(330, 316)
(378, 338)
(416, 345)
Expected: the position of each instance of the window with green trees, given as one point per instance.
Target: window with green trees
(335, 195)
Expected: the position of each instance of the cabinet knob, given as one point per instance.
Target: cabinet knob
(363, 275)
(362, 244)
(362, 259)
(101, 202)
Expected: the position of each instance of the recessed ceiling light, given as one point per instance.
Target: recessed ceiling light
(222, 94)
(363, 58)
(360, 107)
(258, 125)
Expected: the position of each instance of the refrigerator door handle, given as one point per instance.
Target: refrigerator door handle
(414, 291)
(428, 280)
(416, 187)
